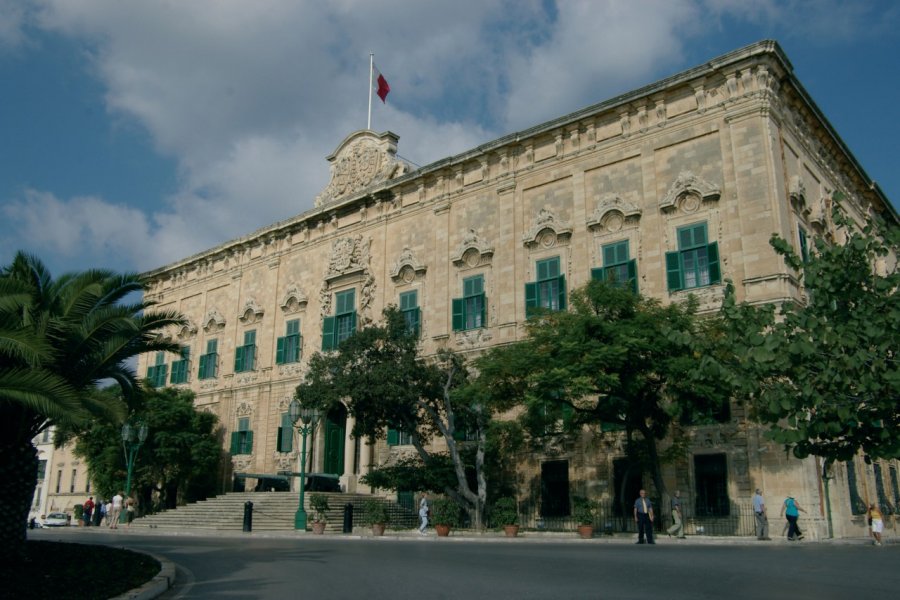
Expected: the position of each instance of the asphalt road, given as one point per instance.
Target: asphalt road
(336, 568)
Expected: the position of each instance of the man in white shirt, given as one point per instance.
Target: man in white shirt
(762, 520)
(115, 511)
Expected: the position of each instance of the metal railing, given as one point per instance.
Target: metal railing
(740, 520)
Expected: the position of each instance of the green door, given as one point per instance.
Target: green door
(335, 430)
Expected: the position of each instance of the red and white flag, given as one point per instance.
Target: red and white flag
(379, 83)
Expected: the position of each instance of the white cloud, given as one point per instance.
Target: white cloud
(13, 16)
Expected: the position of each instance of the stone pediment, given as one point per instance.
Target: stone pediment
(691, 186)
(472, 251)
(407, 267)
(363, 159)
(547, 230)
(613, 212)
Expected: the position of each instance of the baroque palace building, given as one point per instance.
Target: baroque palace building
(679, 184)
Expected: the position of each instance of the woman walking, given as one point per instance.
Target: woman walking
(791, 511)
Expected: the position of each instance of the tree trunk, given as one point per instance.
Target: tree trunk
(18, 472)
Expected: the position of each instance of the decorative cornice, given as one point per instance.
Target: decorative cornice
(294, 300)
(252, 312)
(407, 267)
(213, 321)
(612, 212)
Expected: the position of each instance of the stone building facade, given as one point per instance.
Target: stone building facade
(680, 183)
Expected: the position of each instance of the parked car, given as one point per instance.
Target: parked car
(56, 519)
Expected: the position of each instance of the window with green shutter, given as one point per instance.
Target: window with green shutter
(338, 328)
(470, 311)
(209, 362)
(548, 292)
(804, 245)
(398, 437)
(245, 355)
(695, 263)
(409, 307)
(181, 368)
(157, 373)
(242, 438)
(618, 268)
(287, 348)
(285, 442)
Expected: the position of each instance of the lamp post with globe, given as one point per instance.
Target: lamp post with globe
(131, 447)
(305, 419)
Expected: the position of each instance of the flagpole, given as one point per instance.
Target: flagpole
(371, 70)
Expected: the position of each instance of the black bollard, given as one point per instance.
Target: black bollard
(248, 516)
(348, 518)
(32, 523)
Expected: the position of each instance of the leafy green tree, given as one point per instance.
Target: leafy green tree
(824, 374)
(58, 339)
(180, 459)
(615, 361)
(384, 382)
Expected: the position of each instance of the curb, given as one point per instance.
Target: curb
(157, 586)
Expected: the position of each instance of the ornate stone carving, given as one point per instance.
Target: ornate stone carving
(294, 300)
(547, 230)
(245, 378)
(472, 251)
(407, 267)
(472, 338)
(797, 195)
(252, 312)
(241, 463)
(187, 331)
(291, 369)
(687, 184)
(613, 212)
(362, 160)
(244, 409)
(213, 321)
(348, 255)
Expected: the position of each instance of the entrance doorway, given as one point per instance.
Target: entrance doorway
(335, 433)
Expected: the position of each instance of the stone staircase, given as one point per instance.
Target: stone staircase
(272, 511)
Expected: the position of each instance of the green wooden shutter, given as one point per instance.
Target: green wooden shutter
(393, 437)
(235, 442)
(712, 255)
(161, 375)
(597, 274)
(238, 359)
(531, 298)
(674, 276)
(328, 327)
(483, 310)
(632, 275)
(415, 320)
(352, 322)
(562, 292)
(279, 351)
(279, 439)
(201, 372)
(459, 314)
(248, 442)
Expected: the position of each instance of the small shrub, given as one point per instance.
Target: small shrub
(505, 511)
(584, 511)
(445, 511)
(376, 512)
(319, 504)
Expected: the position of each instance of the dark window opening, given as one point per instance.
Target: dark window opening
(711, 478)
(555, 488)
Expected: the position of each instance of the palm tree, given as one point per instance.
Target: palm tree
(58, 340)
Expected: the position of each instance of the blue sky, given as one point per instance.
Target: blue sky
(134, 134)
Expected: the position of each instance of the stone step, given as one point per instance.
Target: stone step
(272, 511)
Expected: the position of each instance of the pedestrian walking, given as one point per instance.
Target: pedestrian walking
(677, 528)
(762, 519)
(877, 521)
(791, 511)
(643, 516)
(424, 512)
(129, 512)
(116, 511)
(87, 511)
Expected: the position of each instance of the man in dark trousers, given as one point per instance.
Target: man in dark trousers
(643, 516)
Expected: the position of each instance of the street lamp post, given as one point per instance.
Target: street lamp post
(305, 419)
(131, 447)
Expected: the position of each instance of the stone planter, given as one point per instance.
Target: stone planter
(377, 529)
(442, 530)
(586, 532)
(511, 530)
(318, 527)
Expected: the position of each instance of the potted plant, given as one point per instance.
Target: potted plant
(445, 513)
(319, 505)
(506, 514)
(377, 515)
(585, 512)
